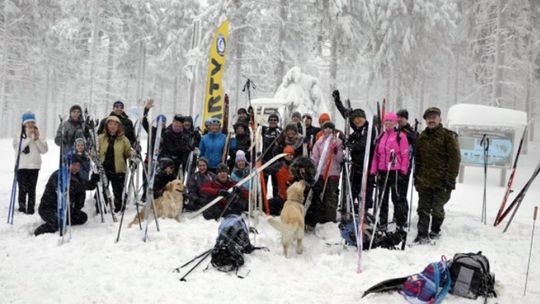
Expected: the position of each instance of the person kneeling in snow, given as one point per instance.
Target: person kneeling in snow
(77, 186)
(232, 203)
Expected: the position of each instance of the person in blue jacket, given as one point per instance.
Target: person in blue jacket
(212, 144)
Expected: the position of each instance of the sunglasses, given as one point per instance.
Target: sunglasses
(272, 119)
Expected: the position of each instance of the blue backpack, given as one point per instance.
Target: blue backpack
(430, 286)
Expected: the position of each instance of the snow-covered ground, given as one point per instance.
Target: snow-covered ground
(91, 268)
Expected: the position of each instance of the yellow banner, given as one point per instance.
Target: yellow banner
(213, 99)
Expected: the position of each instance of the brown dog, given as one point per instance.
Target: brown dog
(169, 204)
(291, 225)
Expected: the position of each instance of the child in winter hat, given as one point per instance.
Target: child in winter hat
(28, 117)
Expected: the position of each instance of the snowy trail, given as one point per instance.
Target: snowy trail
(93, 269)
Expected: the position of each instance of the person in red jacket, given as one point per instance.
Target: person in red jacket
(233, 202)
(280, 171)
(391, 165)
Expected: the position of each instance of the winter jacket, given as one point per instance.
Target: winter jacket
(437, 159)
(176, 145)
(210, 190)
(72, 129)
(269, 135)
(193, 133)
(238, 174)
(84, 172)
(389, 141)
(311, 132)
(129, 130)
(212, 145)
(195, 183)
(122, 151)
(335, 148)
(284, 178)
(240, 142)
(357, 143)
(30, 158)
(77, 188)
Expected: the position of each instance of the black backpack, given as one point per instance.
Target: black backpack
(383, 239)
(231, 244)
(471, 276)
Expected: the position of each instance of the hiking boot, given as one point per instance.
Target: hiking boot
(30, 210)
(434, 235)
(44, 228)
(22, 209)
(421, 239)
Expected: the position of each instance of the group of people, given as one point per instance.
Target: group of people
(220, 160)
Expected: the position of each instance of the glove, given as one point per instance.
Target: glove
(335, 94)
(94, 178)
(224, 193)
(449, 185)
(236, 189)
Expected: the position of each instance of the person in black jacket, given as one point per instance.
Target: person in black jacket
(240, 142)
(412, 135)
(270, 135)
(164, 175)
(311, 132)
(77, 186)
(357, 142)
(118, 111)
(176, 143)
(151, 131)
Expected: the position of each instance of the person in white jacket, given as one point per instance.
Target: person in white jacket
(32, 147)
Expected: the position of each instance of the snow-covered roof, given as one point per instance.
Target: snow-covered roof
(481, 115)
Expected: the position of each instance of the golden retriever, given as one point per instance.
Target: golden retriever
(169, 204)
(291, 225)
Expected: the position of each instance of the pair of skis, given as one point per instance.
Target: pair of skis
(516, 203)
(13, 198)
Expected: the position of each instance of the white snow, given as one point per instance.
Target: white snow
(91, 268)
(481, 115)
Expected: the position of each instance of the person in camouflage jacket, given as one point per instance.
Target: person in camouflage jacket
(436, 168)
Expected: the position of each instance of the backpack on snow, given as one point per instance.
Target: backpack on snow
(383, 239)
(231, 244)
(471, 276)
(429, 286)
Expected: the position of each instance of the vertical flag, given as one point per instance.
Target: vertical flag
(213, 96)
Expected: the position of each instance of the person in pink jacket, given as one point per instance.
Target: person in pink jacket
(325, 193)
(391, 163)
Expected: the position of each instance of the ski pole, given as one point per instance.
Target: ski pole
(485, 144)
(177, 269)
(530, 250)
(207, 254)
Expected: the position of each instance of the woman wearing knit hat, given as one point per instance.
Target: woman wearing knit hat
(328, 154)
(31, 148)
(390, 163)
